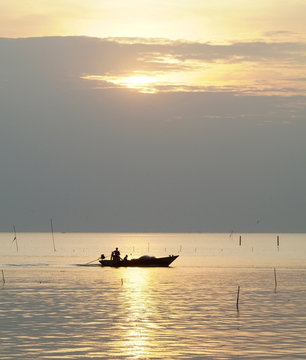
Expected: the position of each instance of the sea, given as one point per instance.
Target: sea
(227, 296)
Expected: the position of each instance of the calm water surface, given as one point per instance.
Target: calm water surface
(53, 308)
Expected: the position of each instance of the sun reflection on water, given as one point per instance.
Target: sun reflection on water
(139, 309)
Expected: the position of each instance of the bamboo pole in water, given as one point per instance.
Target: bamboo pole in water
(275, 280)
(52, 235)
(237, 301)
(3, 278)
(15, 238)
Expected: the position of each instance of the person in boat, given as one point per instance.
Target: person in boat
(116, 255)
(125, 258)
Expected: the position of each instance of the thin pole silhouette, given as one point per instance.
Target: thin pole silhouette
(237, 301)
(15, 238)
(52, 234)
(275, 280)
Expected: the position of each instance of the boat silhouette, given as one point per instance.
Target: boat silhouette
(143, 261)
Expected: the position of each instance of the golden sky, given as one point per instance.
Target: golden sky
(195, 20)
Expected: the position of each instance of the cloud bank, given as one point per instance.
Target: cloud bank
(96, 156)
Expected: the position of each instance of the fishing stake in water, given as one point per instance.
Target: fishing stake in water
(15, 238)
(237, 301)
(52, 235)
(275, 281)
(3, 278)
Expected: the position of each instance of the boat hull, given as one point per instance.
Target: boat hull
(147, 262)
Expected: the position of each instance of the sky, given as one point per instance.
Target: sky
(150, 116)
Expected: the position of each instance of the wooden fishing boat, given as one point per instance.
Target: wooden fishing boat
(143, 261)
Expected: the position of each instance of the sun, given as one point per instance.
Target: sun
(142, 83)
(138, 80)
(147, 84)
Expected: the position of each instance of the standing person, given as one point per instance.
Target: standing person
(116, 255)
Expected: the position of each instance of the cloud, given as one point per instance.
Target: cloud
(246, 67)
(114, 55)
(95, 156)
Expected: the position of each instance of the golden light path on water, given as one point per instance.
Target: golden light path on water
(138, 339)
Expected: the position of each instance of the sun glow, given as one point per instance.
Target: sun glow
(137, 80)
(142, 83)
(170, 74)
